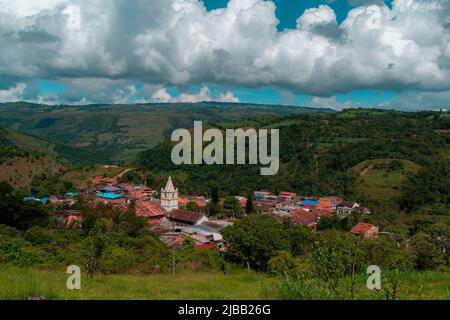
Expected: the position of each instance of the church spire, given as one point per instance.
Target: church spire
(169, 186)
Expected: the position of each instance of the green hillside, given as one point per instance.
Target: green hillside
(120, 132)
(23, 157)
(382, 178)
(322, 153)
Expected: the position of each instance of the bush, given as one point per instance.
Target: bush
(8, 231)
(384, 252)
(284, 264)
(117, 260)
(38, 235)
(20, 253)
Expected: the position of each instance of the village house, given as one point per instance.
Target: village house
(305, 218)
(345, 208)
(151, 211)
(110, 198)
(366, 229)
(283, 209)
(186, 218)
(68, 219)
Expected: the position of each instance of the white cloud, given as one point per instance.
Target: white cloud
(203, 95)
(421, 101)
(13, 94)
(180, 43)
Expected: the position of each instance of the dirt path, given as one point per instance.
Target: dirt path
(120, 175)
(366, 170)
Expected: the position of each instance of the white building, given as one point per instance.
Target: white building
(169, 196)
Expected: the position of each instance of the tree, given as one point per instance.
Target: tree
(96, 245)
(300, 238)
(426, 252)
(335, 254)
(21, 214)
(232, 207)
(192, 206)
(249, 206)
(254, 240)
(284, 264)
(215, 195)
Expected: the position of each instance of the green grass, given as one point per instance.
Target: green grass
(82, 176)
(20, 284)
(380, 183)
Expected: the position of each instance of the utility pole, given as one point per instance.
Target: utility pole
(173, 247)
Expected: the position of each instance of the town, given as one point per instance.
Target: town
(168, 216)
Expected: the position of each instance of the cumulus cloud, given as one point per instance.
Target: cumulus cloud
(13, 94)
(180, 43)
(203, 95)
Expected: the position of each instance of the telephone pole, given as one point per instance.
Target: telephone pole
(173, 247)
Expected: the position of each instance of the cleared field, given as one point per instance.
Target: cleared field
(380, 179)
(20, 171)
(20, 284)
(84, 175)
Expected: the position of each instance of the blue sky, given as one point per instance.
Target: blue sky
(289, 10)
(391, 53)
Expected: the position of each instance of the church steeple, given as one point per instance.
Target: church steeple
(169, 186)
(169, 196)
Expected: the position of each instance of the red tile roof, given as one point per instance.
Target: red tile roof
(332, 200)
(205, 245)
(322, 212)
(362, 228)
(200, 204)
(149, 209)
(304, 217)
(185, 216)
(183, 201)
(288, 194)
(347, 204)
(243, 202)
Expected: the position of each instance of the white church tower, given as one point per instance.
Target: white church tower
(169, 196)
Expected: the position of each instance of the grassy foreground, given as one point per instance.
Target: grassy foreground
(20, 284)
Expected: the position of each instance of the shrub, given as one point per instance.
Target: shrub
(117, 260)
(38, 235)
(18, 252)
(284, 264)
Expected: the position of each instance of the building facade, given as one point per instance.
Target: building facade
(169, 196)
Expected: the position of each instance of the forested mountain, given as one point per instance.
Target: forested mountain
(370, 155)
(120, 132)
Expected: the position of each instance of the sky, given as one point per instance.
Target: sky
(332, 53)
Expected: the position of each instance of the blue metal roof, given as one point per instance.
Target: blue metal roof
(71, 194)
(110, 195)
(309, 202)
